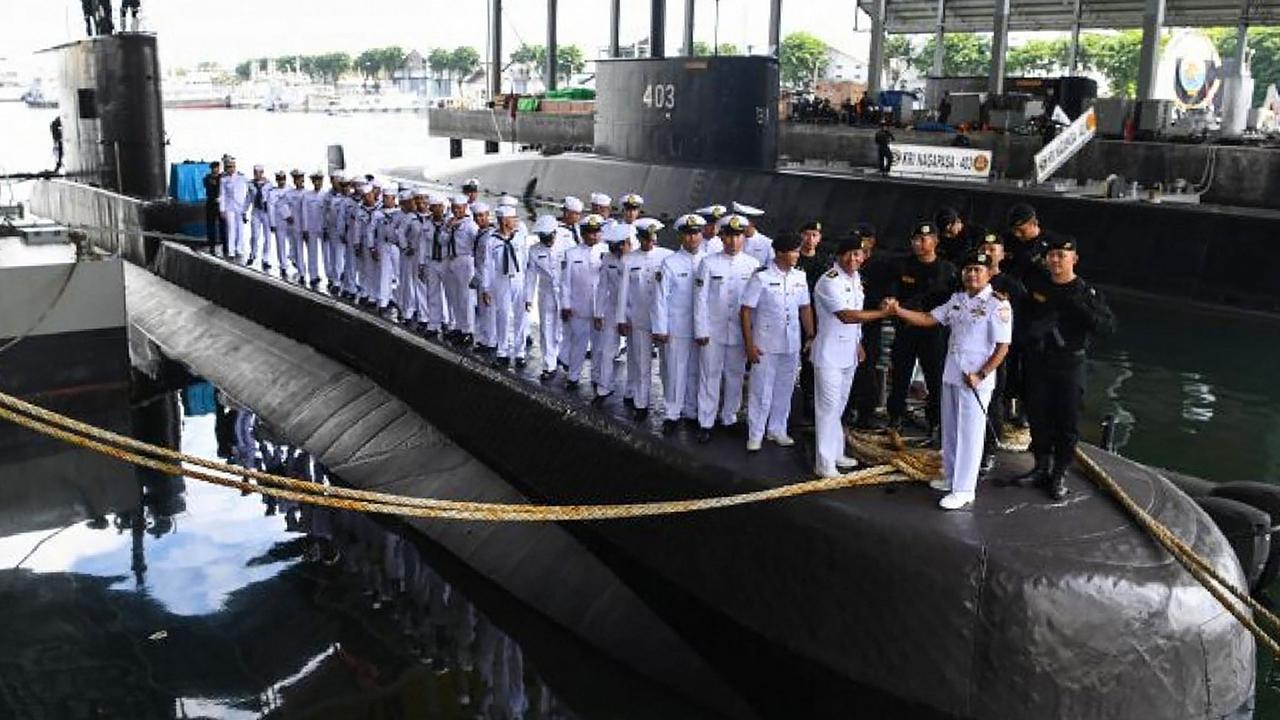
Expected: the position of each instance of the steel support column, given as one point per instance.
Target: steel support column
(551, 70)
(495, 50)
(875, 60)
(775, 27)
(657, 28)
(939, 37)
(615, 17)
(999, 46)
(688, 28)
(1152, 22)
(1073, 56)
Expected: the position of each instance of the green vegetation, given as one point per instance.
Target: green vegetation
(802, 59)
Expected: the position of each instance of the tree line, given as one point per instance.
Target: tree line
(372, 64)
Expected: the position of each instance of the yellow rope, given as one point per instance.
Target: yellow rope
(496, 512)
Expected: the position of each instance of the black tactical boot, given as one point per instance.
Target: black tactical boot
(1037, 475)
(1058, 484)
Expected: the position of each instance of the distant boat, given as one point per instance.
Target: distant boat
(11, 87)
(35, 97)
(197, 93)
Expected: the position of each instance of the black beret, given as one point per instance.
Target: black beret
(811, 225)
(976, 257)
(847, 244)
(947, 215)
(786, 243)
(864, 230)
(1061, 242)
(1020, 213)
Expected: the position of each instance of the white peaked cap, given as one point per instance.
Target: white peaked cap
(746, 209)
(738, 222)
(506, 211)
(649, 224)
(632, 199)
(600, 199)
(690, 221)
(545, 225)
(617, 232)
(713, 210)
(572, 204)
(259, 168)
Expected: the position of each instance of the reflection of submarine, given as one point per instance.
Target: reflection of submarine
(1018, 609)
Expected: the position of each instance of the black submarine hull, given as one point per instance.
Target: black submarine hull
(1020, 609)
(1209, 254)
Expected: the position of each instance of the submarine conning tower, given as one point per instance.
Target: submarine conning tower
(692, 111)
(112, 114)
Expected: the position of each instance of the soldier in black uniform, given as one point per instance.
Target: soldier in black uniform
(815, 259)
(921, 282)
(1062, 311)
(956, 237)
(877, 279)
(1011, 289)
(212, 216)
(884, 154)
(1024, 247)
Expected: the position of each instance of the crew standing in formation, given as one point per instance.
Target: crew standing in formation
(728, 307)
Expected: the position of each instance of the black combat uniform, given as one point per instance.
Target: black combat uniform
(214, 231)
(1016, 293)
(1059, 321)
(813, 267)
(920, 286)
(956, 247)
(877, 274)
(884, 155)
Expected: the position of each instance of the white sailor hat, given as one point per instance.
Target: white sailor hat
(405, 194)
(259, 168)
(690, 223)
(600, 200)
(632, 200)
(459, 199)
(649, 225)
(471, 184)
(479, 208)
(227, 159)
(366, 188)
(732, 223)
(296, 173)
(435, 199)
(421, 192)
(545, 225)
(280, 173)
(390, 189)
(746, 210)
(508, 201)
(714, 212)
(506, 211)
(317, 173)
(572, 204)
(615, 233)
(338, 175)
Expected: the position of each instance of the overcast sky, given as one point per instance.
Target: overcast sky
(233, 30)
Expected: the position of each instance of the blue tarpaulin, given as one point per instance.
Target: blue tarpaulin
(186, 181)
(198, 399)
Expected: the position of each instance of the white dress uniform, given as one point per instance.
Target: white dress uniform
(233, 203)
(278, 214)
(434, 262)
(460, 267)
(775, 329)
(835, 359)
(635, 308)
(259, 218)
(977, 324)
(293, 225)
(580, 272)
(485, 330)
(313, 202)
(404, 238)
(672, 315)
(504, 281)
(335, 210)
(359, 217)
(379, 276)
(758, 246)
(542, 285)
(716, 307)
(606, 341)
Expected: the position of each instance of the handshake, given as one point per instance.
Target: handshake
(890, 306)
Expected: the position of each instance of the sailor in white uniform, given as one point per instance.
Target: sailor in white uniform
(460, 266)
(775, 307)
(580, 272)
(313, 202)
(605, 338)
(259, 215)
(542, 287)
(484, 328)
(277, 215)
(712, 215)
(981, 325)
(335, 210)
(570, 217)
(671, 319)
(717, 328)
(386, 253)
(359, 220)
(293, 222)
(433, 261)
(836, 352)
(754, 243)
(471, 188)
(503, 287)
(635, 311)
(602, 205)
(233, 203)
(413, 291)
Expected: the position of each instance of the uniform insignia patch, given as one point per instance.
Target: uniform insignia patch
(832, 274)
(908, 280)
(698, 282)
(1038, 297)
(1004, 313)
(658, 276)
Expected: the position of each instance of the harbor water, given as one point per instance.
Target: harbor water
(1190, 389)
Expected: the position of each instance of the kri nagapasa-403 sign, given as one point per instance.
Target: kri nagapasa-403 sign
(1068, 143)
(938, 160)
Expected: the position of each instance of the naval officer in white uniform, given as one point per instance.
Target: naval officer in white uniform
(672, 321)
(836, 351)
(775, 306)
(981, 325)
(233, 203)
(635, 304)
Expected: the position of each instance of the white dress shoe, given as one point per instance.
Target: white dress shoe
(826, 472)
(844, 461)
(782, 440)
(956, 500)
(940, 484)
(753, 445)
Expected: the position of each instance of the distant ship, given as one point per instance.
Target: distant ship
(11, 86)
(198, 91)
